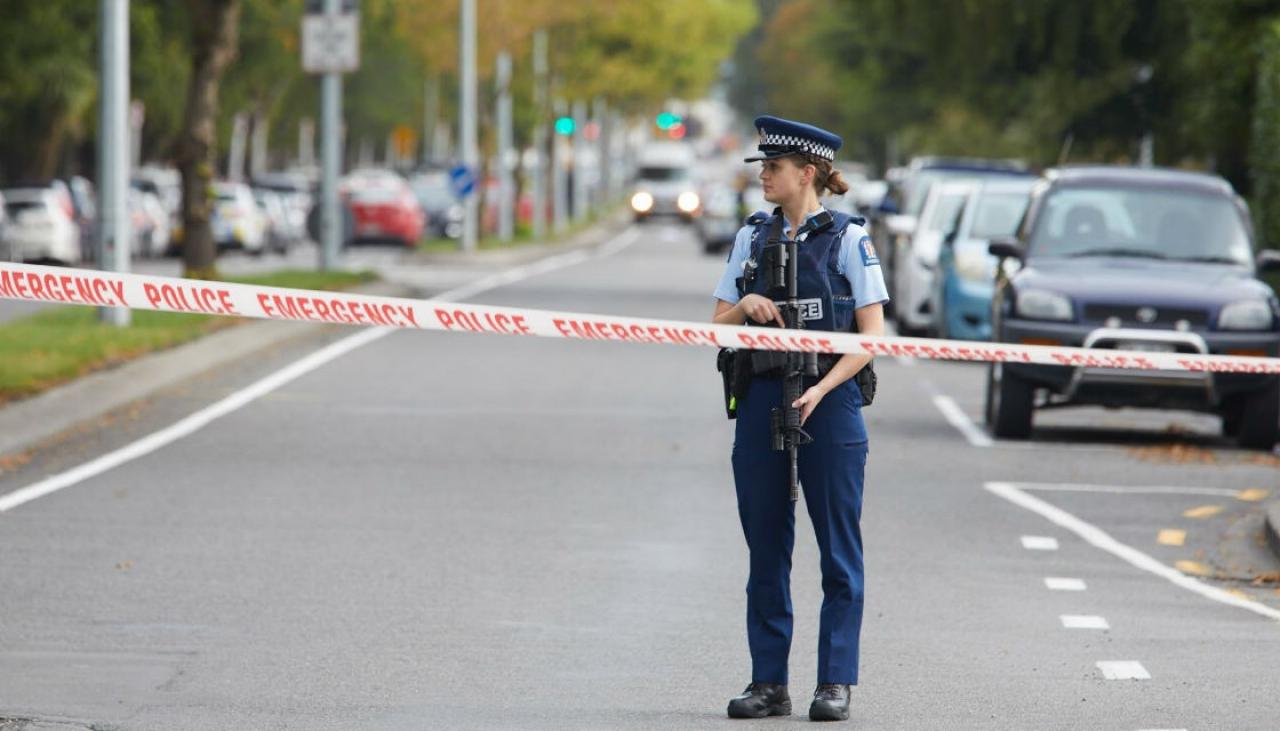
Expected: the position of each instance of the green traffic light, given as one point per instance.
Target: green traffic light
(564, 126)
(667, 120)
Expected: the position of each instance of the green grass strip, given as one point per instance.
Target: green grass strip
(66, 342)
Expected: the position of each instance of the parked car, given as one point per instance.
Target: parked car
(909, 187)
(295, 189)
(966, 271)
(281, 233)
(237, 222)
(152, 226)
(384, 207)
(665, 185)
(40, 228)
(1136, 259)
(912, 278)
(435, 196)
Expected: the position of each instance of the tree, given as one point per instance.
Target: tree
(214, 32)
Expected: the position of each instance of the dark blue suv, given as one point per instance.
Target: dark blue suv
(1136, 259)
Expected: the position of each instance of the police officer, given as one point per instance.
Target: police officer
(839, 269)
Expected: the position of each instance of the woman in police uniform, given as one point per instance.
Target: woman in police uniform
(838, 267)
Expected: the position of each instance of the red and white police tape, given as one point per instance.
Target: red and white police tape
(145, 292)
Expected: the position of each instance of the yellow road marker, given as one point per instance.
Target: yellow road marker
(1171, 537)
(1253, 494)
(1195, 568)
(1204, 511)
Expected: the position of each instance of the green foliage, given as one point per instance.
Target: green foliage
(631, 53)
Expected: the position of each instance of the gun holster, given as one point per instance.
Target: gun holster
(727, 364)
(866, 380)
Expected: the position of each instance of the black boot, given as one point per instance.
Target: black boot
(830, 703)
(760, 700)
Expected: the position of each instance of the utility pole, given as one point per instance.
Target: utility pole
(506, 186)
(559, 194)
(579, 139)
(114, 234)
(330, 159)
(430, 113)
(467, 121)
(540, 135)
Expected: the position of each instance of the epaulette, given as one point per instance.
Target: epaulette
(757, 218)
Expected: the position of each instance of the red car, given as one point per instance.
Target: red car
(384, 207)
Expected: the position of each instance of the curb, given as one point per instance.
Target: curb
(593, 235)
(1271, 526)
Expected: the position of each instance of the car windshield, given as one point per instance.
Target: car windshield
(17, 208)
(1149, 223)
(998, 214)
(944, 213)
(660, 174)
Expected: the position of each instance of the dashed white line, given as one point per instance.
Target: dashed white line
(1063, 584)
(291, 372)
(1123, 670)
(1100, 539)
(1039, 543)
(1084, 621)
(961, 421)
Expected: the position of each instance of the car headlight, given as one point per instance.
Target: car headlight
(1246, 315)
(688, 202)
(1038, 304)
(642, 202)
(974, 265)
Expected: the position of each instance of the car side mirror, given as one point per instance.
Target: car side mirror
(1006, 247)
(1268, 260)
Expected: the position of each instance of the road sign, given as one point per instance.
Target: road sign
(462, 180)
(405, 139)
(331, 43)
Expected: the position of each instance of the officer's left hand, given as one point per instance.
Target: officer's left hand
(808, 401)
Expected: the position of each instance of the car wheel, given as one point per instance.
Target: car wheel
(1260, 419)
(1010, 405)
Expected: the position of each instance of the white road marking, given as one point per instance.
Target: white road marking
(1039, 543)
(961, 421)
(1125, 489)
(1059, 584)
(1100, 539)
(1083, 621)
(291, 372)
(1123, 670)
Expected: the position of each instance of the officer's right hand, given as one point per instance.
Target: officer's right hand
(761, 309)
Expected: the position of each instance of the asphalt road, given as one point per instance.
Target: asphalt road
(456, 531)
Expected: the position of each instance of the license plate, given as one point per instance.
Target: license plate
(1146, 346)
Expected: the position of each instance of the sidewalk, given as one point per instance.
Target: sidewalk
(27, 423)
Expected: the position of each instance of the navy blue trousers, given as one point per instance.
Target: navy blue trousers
(831, 473)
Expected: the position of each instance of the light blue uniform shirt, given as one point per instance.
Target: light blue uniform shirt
(857, 261)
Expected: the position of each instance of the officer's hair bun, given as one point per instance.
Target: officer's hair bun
(836, 183)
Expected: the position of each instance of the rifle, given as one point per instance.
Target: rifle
(781, 266)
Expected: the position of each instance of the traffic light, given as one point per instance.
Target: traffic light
(667, 120)
(564, 126)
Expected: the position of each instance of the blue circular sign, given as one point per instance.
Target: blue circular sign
(462, 181)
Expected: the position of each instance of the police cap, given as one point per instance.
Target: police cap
(782, 137)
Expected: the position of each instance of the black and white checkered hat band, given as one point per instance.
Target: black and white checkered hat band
(804, 143)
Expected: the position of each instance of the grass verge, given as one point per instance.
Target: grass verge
(66, 342)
